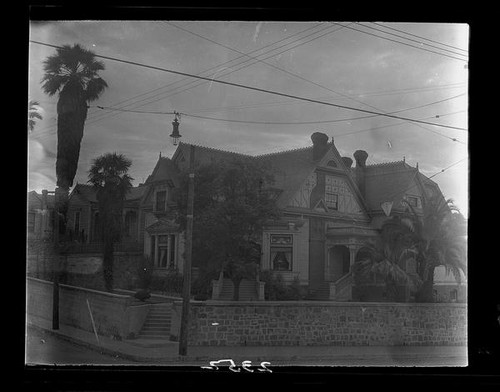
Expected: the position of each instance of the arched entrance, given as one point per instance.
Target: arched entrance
(338, 262)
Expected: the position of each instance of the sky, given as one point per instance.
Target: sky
(418, 70)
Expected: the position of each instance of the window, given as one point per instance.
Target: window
(161, 201)
(453, 295)
(77, 222)
(412, 200)
(331, 199)
(163, 247)
(332, 163)
(281, 252)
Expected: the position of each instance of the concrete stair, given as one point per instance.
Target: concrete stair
(157, 324)
(248, 290)
(321, 293)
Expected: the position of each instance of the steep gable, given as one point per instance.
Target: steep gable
(393, 182)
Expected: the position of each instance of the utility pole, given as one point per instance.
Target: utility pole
(55, 265)
(186, 288)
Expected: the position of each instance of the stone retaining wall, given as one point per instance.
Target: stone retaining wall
(325, 323)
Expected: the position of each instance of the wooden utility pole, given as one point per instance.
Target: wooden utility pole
(55, 265)
(186, 288)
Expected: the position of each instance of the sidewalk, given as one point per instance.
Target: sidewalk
(164, 352)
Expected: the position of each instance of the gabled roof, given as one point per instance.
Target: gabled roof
(388, 182)
(203, 155)
(165, 169)
(35, 200)
(290, 169)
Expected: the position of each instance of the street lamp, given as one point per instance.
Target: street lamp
(175, 135)
(186, 287)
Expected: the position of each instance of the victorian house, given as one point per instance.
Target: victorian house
(332, 207)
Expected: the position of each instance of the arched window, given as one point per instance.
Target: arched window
(332, 163)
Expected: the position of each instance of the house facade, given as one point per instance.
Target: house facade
(332, 207)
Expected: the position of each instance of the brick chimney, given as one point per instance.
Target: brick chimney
(360, 156)
(320, 145)
(347, 162)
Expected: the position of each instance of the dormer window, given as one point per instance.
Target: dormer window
(161, 201)
(412, 201)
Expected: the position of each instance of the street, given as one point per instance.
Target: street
(43, 348)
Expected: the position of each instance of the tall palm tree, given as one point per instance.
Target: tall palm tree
(438, 237)
(72, 73)
(109, 175)
(33, 114)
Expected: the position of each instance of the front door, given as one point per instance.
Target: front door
(338, 262)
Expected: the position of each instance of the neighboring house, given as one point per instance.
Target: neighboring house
(447, 289)
(40, 216)
(83, 223)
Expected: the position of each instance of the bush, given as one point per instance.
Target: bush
(202, 286)
(276, 289)
(170, 283)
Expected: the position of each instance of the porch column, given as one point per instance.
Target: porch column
(352, 255)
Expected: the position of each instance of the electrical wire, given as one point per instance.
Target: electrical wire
(418, 36)
(411, 40)
(399, 42)
(252, 88)
(218, 66)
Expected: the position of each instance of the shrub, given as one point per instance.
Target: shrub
(169, 283)
(276, 289)
(202, 286)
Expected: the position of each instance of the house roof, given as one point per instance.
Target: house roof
(387, 182)
(164, 169)
(203, 155)
(290, 169)
(35, 200)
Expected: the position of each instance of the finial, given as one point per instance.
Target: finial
(417, 165)
(404, 158)
(160, 154)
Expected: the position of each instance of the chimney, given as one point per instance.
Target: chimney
(347, 162)
(320, 145)
(360, 156)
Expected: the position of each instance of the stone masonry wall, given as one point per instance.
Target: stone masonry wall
(326, 323)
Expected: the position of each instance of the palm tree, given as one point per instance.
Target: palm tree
(33, 114)
(108, 175)
(438, 237)
(385, 260)
(73, 73)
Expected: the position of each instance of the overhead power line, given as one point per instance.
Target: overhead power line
(161, 95)
(420, 37)
(252, 88)
(400, 42)
(412, 40)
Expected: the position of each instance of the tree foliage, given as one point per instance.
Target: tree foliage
(231, 206)
(33, 114)
(109, 175)
(73, 74)
(439, 238)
